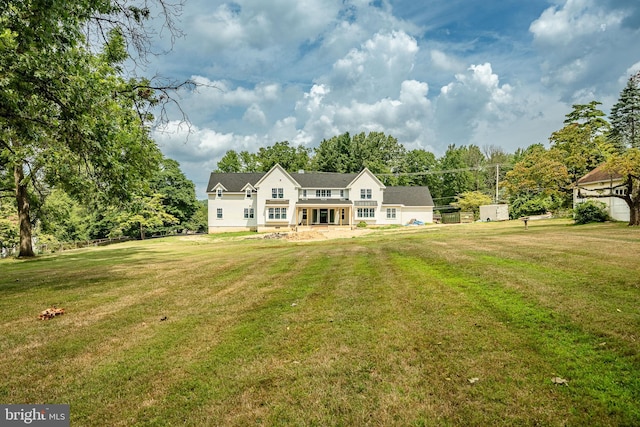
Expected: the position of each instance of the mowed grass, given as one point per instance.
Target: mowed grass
(385, 329)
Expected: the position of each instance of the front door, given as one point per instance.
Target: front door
(324, 216)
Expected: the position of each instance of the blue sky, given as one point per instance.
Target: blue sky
(430, 73)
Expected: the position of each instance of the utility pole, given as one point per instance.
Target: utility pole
(497, 179)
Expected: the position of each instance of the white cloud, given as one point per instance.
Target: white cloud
(473, 99)
(575, 19)
(258, 24)
(584, 45)
(445, 62)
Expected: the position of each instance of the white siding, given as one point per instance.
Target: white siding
(233, 206)
(616, 207)
(276, 178)
(366, 181)
(424, 214)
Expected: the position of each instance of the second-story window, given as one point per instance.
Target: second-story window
(323, 194)
(248, 193)
(277, 193)
(219, 192)
(365, 193)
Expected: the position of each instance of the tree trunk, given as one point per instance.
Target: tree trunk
(22, 198)
(634, 213)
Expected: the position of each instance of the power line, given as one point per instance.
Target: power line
(436, 172)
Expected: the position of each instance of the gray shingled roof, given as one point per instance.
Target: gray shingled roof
(408, 196)
(234, 182)
(324, 179)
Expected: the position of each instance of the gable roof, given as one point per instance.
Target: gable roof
(233, 182)
(599, 175)
(368, 172)
(407, 196)
(277, 167)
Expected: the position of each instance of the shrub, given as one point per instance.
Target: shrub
(362, 224)
(590, 211)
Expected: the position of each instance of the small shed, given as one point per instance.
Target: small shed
(498, 212)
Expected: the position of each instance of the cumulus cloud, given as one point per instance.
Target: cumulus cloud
(445, 62)
(579, 40)
(475, 97)
(259, 24)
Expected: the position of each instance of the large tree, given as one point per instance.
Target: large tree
(68, 118)
(290, 158)
(178, 194)
(582, 140)
(538, 181)
(456, 175)
(625, 116)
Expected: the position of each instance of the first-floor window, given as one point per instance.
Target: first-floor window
(391, 213)
(248, 213)
(366, 213)
(219, 213)
(277, 213)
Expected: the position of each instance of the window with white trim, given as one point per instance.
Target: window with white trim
(620, 191)
(277, 213)
(391, 213)
(219, 213)
(277, 193)
(304, 193)
(365, 193)
(366, 213)
(248, 213)
(219, 192)
(323, 194)
(248, 193)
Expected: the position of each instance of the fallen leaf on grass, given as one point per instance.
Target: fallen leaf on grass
(559, 381)
(473, 380)
(50, 313)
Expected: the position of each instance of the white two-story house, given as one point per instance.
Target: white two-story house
(278, 200)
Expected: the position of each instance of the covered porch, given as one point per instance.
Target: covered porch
(324, 213)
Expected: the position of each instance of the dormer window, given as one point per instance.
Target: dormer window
(248, 193)
(219, 192)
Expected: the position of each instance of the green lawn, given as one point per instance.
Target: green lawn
(384, 329)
